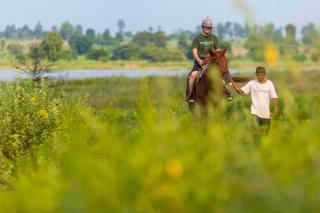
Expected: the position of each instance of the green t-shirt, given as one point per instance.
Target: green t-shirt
(205, 43)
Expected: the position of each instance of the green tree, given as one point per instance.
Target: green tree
(37, 67)
(25, 32)
(153, 53)
(80, 44)
(90, 33)
(142, 39)
(290, 47)
(106, 38)
(52, 46)
(220, 31)
(184, 44)
(11, 32)
(255, 44)
(310, 35)
(121, 26)
(79, 29)
(278, 36)
(126, 52)
(97, 54)
(67, 30)
(38, 31)
(291, 34)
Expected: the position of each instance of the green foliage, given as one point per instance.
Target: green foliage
(97, 54)
(30, 114)
(225, 44)
(315, 56)
(175, 55)
(80, 44)
(91, 34)
(153, 53)
(126, 52)
(68, 55)
(15, 49)
(184, 44)
(38, 30)
(300, 57)
(2, 44)
(310, 35)
(143, 151)
(255, 43)
(106, 38)
(67, 30)
(290, 47)
(146, 38)
(52, 46)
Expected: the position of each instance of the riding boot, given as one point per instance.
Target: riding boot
(191, 96)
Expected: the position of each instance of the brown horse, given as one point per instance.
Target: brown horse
(206, 87)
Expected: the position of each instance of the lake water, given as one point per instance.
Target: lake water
(11, 75)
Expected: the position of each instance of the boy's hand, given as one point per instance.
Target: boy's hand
(275, 112)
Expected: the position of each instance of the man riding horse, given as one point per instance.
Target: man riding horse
(203, 45)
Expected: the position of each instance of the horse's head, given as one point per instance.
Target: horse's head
(219, 58)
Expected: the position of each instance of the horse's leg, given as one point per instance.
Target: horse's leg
(203, 106)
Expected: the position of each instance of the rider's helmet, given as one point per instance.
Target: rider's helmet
(207, 23)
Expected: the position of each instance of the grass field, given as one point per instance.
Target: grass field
(130, 145)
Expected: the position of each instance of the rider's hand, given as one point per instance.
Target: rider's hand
(201, 62)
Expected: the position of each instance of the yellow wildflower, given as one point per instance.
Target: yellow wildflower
(174, 168)
(33, 99)
(43, 113)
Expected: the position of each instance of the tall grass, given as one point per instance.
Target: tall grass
(130, 145)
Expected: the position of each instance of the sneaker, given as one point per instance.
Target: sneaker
(191, 100)
(229, 98)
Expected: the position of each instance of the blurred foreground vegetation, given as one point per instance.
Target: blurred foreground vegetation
(130, 145)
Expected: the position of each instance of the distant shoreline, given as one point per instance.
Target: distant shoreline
(145, 65)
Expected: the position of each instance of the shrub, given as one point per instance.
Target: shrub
(29, 115)
(97, 54)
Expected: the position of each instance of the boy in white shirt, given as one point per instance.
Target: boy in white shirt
(262, 91)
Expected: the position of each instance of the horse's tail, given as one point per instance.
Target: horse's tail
(241, 79)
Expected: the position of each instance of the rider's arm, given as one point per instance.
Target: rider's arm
(196, 56)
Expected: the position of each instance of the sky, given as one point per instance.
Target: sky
(169, 15)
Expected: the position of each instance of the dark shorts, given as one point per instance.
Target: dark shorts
(196, 67)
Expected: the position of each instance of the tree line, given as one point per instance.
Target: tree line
(154, 45)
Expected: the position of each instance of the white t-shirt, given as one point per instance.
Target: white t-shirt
(260, 95)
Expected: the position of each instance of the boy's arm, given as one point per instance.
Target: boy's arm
(237, 88)
(274, 99)
(275, 106)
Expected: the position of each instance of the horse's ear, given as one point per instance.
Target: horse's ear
(224, 51)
